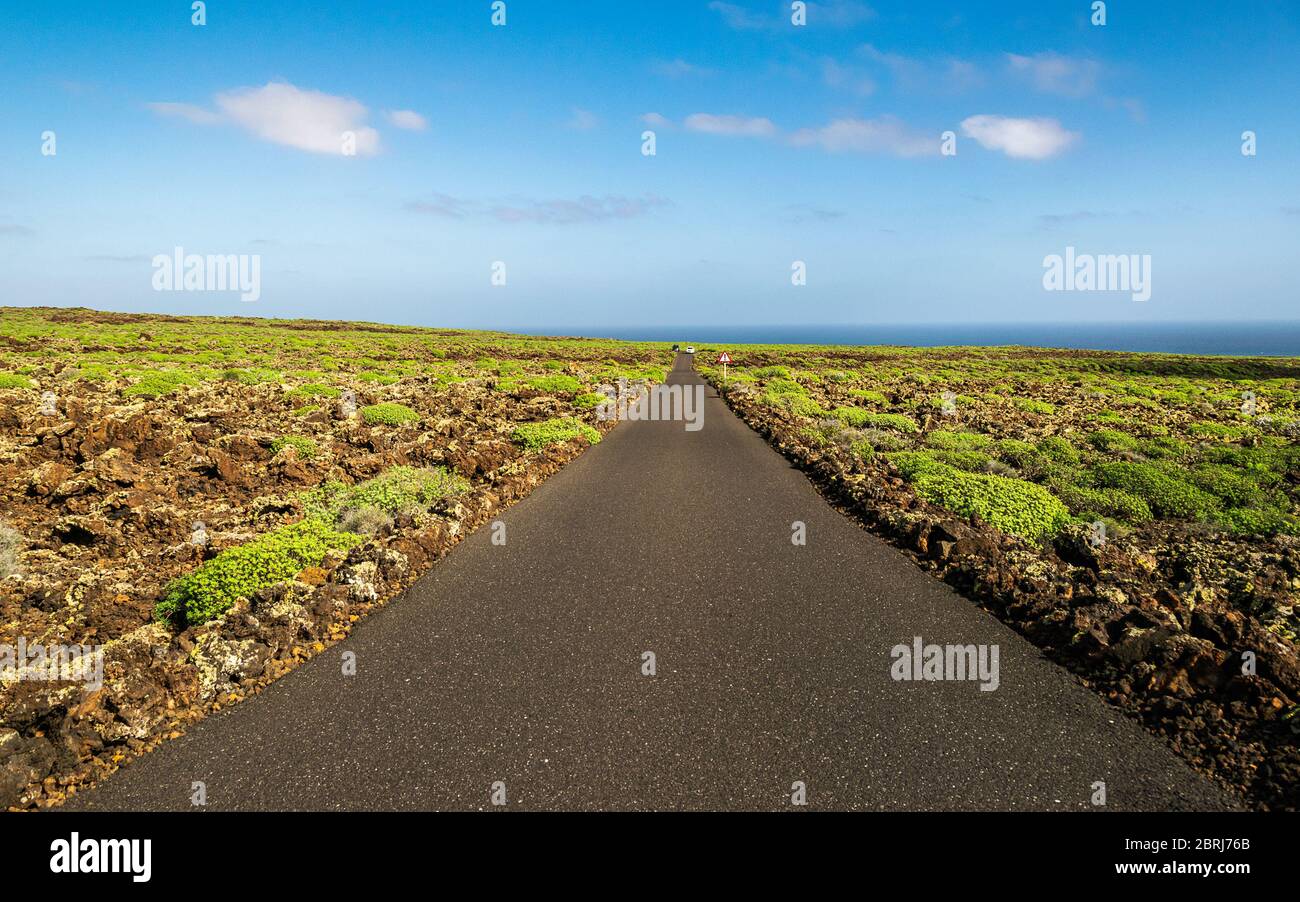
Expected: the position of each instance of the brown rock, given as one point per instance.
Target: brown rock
(47, 477)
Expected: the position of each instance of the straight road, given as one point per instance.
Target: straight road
(522, 664)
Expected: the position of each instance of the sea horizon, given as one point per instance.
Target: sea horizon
(1227, 338)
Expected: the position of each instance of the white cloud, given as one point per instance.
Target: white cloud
(836, 75)
(744, 126)
(832, 13)
(307, 120)
(656, 120)
(885, 134)
(1022, 139)
(739, 18)
(882, 135)
(1053, 73)
(442, 205)
(1136, 109)
(583, 120)
(929, 75)
(407, 119)
(281, 113)
(187, 111)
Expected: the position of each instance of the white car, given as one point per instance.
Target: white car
(690, 349)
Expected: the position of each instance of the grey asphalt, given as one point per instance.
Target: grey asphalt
(522, 663)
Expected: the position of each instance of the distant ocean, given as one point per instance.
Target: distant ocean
(1270, 339)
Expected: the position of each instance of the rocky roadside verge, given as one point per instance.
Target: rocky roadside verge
(57, 738)
(1167, 636)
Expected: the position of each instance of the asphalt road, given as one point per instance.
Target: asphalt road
(523, 663)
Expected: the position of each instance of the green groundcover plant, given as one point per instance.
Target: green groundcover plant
(283, 553)
(239, 572)
(1014, 506)
(538, 435)
(389, 414)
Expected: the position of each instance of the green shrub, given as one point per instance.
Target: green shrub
(1167, 495)
(239, 572)
(767, 372)
(13, 380)
(857, 416)
(157, 384)
(555, 384)
(870, 396)
(377, 378)
(1220, 432)
(1060, 450)
(1233, 487)
(1165, 447)
(315, 390)
(389, 414)
(957, 441)
(538, 435)
(398, 490)
(305, 447)
(1034, 406)
(591, 399)
(911, 464)
(784, 387)
(971, 461)
(1012, 505)
(1028, 459)
(863, 450)
(1267, 459)
(852, 416)
(251, 376)
(1095, 504)
(1112, 440)
(803, 406)
(884, 440)
(1263, 521)
(90, 372)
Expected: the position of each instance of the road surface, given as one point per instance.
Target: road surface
(522, 664)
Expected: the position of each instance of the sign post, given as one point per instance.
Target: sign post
(724, 358)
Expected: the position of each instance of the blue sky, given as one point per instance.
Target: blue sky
(774, 143)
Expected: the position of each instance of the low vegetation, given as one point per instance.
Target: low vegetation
(538, 435)
(314, 468)
(1137, 516)
(389, 414)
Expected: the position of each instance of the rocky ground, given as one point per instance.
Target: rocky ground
(1179, 621)
(110, 492)
(1135, 516)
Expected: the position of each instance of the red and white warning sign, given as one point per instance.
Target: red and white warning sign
(724, 357)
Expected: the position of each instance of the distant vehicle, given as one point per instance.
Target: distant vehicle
(690, 349)
(677, 347)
